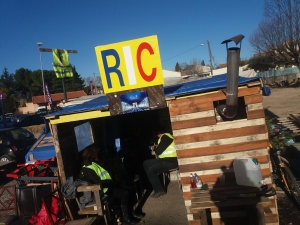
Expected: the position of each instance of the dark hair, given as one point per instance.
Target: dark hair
(90, 153)
(159, 130)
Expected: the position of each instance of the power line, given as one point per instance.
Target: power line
(182, 53)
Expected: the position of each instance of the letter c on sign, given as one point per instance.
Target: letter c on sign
(145, 76)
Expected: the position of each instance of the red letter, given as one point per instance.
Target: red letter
(146, 77)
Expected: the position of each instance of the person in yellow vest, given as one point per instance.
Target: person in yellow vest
(166, 159)
(95, 173)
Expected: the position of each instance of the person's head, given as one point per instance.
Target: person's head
(159, 132)
(90, 153)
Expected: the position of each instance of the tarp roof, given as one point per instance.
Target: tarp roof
(181, 89)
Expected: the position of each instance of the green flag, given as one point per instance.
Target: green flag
(61, 64)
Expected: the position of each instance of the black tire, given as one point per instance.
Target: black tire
(6, 158)
(275, 170)
(293, 184)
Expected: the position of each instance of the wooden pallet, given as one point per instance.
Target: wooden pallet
(292, 122)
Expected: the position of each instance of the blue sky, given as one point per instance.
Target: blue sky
(181, 26)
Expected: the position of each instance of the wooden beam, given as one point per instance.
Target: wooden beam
(60, 50)
(60, 162)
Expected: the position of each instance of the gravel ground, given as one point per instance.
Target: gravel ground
(166, 210)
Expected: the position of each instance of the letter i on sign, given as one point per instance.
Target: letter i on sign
(130, 64)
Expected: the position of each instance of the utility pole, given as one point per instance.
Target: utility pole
(43, 82)
(210, 57)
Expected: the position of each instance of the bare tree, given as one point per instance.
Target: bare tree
(278, 34)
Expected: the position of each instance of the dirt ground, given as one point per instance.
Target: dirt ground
(281, 103)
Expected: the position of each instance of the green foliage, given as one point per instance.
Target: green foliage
(177, 67)
(26, 83)
(261, 63)
(7, 87)
(278, 135)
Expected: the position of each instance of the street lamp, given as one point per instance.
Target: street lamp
(39, 45)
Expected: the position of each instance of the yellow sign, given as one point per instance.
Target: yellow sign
(130, 64)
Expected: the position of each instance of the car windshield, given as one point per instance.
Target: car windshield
(21, 134)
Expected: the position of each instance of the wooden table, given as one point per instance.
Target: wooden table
(232, 203)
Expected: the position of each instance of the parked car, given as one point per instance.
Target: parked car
(21, 120)
(41, 110)
(26, 120)
(8, 120)
(15, 143)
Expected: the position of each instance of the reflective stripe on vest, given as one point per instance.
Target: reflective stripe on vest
(102, 173)
(170, 151)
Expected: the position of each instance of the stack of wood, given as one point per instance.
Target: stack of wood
(207, 145)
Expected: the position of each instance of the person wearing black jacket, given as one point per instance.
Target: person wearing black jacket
(95, 173)
(166, 159)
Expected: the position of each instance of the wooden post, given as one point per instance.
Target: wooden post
(60, 162)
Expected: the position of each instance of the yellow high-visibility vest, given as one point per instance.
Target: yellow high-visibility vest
(170, 151)
(61, 64)
(101, 172)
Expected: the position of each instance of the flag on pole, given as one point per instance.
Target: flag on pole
(48, 94)
(61, 64)
(91, 87)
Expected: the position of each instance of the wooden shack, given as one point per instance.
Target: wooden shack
(207, 146)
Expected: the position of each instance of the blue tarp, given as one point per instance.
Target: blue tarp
(199, 86)
(44, 149)
(187, 88)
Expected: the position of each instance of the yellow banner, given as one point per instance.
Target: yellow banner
(130, 64)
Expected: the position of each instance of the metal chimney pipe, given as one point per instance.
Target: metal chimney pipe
(233, 61)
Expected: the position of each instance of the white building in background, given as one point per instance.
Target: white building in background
(173, 77)
(170, 73)
(242, 72)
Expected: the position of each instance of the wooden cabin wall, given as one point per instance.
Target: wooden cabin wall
(208, 147)
(65, 143)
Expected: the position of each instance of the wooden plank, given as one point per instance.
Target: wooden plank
(233, 221)
(196, 207)
(196, 115)
(211, 158)
(229, 214)
(296, 118)
(222, 149)
(233, 132)
(256, 106)
(60, 50)
(255, 114)
(203, 217)
(220, 95)
(213, 165)
(271, 219)
(59, 159)
(251, 99)
(220, 126)
(261, 214)
(194, 123)
(223, 141)
(91, 187)
(190, 107)
(214, 178)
